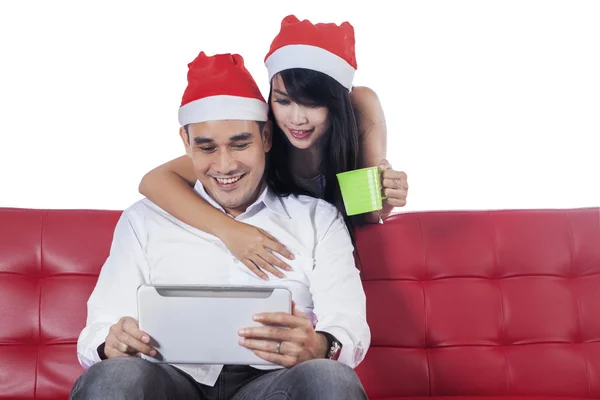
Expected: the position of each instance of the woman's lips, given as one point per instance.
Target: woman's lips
(301, 134)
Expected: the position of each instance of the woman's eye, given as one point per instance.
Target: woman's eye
(309, 105)
(282, 101)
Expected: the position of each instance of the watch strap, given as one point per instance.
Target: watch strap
(332, 344)
(101, 353)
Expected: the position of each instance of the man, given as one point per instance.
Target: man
(227, 135)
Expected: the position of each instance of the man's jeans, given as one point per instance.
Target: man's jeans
(133, 378)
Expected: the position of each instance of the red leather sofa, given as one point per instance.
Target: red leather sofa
(464, 304)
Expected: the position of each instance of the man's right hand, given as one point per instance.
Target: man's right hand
(126, 339)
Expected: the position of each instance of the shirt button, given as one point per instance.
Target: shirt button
(235, 260)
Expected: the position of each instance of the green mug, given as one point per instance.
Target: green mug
(361, 190)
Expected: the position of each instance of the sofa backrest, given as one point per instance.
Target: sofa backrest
(459, 303)
(483, 303)
(49, 264)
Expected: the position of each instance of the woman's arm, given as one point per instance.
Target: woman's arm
(169, 186)
(373, 146)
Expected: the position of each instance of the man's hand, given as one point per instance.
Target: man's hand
(126, 339)
(291, 342)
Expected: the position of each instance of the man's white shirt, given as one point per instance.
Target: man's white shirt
(152, 247)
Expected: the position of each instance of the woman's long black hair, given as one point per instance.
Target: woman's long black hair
(340, 144)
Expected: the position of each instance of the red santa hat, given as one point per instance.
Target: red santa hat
(327, 48)
(221, 88)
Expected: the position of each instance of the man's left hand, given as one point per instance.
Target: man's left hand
(285, 339)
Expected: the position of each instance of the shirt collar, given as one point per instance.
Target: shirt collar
(267, 197)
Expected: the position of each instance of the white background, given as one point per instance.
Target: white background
(489, 104)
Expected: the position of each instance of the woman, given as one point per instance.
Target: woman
(322, 127)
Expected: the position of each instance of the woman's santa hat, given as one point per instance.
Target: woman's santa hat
(221, 88)
(327, 48)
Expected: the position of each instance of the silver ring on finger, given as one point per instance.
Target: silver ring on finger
(278, 348)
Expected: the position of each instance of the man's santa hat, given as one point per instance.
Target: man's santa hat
(327, 48)
(221, 88)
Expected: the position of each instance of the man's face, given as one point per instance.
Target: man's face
(229, 160)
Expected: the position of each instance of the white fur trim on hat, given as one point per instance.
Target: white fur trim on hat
(223, 107)
(311, 57)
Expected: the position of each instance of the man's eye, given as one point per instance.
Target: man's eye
(241, 146)
(207, 149)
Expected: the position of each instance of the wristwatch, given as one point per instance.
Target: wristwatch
(334, 346)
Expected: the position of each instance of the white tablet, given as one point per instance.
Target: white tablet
(197, 324)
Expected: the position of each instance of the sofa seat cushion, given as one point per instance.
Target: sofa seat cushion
(482, 398)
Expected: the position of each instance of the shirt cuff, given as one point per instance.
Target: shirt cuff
(87, 351)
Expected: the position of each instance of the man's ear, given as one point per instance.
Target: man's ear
(267, 136)
(185, 137)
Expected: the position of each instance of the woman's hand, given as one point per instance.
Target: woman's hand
(395, 187)
(254, 248)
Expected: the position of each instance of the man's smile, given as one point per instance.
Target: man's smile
(229, 182)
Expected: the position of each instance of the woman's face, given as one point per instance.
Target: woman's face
(303, 125)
